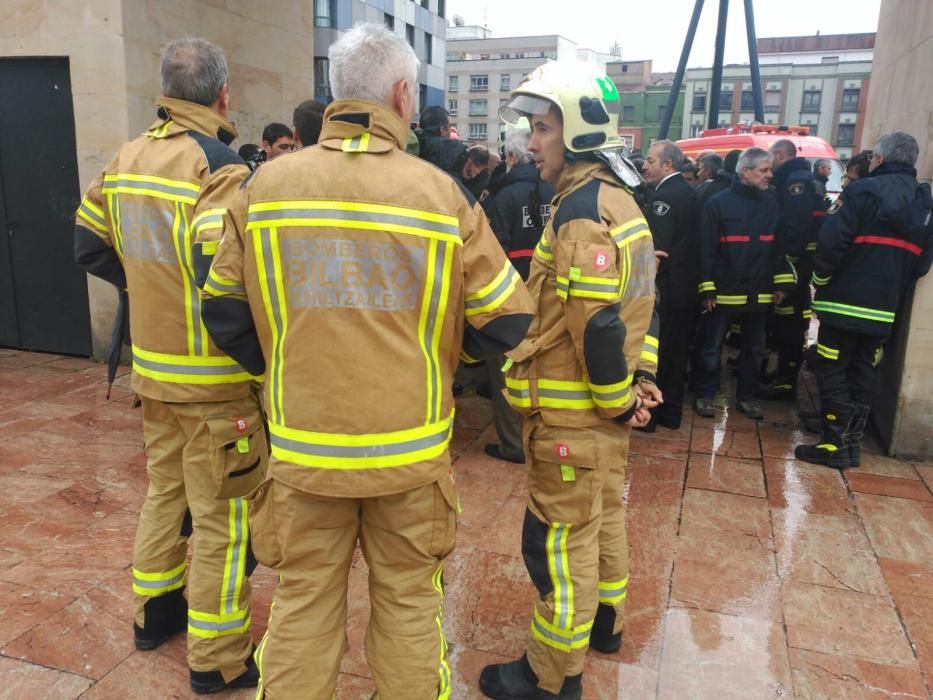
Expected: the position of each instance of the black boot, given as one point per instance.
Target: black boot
(601, 638)
(165, 616)
(852, 437)
(517, 681)
(831, 450)
(783, 388)
(207, 682)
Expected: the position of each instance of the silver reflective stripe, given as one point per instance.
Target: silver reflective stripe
(187, 369)
(362, 451)
(560, 638)
(436, 290)
(613, 592)
(238, 544)
(620, 238)
(495, 293)
(562, 286)
(611, 287)
(275, 303)
(609, 395)
(364, 216)
(194, 299)
(563, 585)
(224, 287)
(563, 393)
(86, 210)
(216, 626)
(519, 393)
(354, 144)
(212, 219)
(142, 583)
(152, 186)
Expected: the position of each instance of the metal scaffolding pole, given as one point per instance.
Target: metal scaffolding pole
(753, 60)
(717, 65)
(681, 69)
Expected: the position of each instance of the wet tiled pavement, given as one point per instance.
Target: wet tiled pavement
(753, 576)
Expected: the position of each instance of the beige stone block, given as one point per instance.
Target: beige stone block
(294, 92)
(89, 17)
(22, 46)
(254, 90)
(914, 438)
(102, 301)
(97, 65)
(21, 17)
(142, 70)
(140, 113)
(158, 21)
(221, 27)
(284, 14)
(100, 124)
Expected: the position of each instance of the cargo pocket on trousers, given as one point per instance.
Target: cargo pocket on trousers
(239, 453)
(446, 507)
(563, 477)
(263, 530)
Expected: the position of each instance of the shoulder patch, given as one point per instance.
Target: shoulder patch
(218, 155)
(660, 207)
(836, 206)
(795, 189)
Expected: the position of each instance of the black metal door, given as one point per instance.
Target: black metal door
(43, 294)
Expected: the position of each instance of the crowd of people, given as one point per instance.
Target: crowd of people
(297, 325)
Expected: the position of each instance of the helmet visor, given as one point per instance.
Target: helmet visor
(523, 106)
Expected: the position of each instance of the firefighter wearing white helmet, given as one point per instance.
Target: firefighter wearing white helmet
(582, 378)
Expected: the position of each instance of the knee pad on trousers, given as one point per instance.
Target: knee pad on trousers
(187, 524)
(534, 552)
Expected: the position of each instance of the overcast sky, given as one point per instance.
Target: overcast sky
(656, 29)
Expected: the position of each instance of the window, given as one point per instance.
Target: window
(725, 101)
(830, 59)
(773, 101)
(695, 130)
(505, 82)
(520, 54)
(661, 110)
(478, 108)
(324, 13)
(441, 8)
(628, 113)
(625, 67)
(479, 83)
(428, 49)
(811, 101)
(845, 136)
(426, 4)
(410, 35)
(699, 103)
(453, 83)
(477, 132)
(389, 21)
(422, 97)
(452, 107)
(505, 55)
(748, 101)
(850, 99)
(321, 79)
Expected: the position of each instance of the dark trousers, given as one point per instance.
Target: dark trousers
(714, 326)
(677, 327)
(790, 324)
(845, 367)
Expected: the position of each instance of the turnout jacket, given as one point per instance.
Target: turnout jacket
(873, 244)
(354, 273)
(802, 209)
(518, 211)
(134, 228)
(673, 211)
(741, 261)
(592, 281)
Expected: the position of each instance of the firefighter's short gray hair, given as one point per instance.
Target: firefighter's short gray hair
(367, 61)
(194, 70)
(898, 147)
(669, 151)
(751, 157)
(517, 145)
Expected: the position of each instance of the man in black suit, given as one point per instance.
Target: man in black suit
(673, 214)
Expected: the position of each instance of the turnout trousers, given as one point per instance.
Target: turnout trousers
(846, 365)
(677, 330)
(202, 460)
(573, 539)
(309, 540)
(790, 323)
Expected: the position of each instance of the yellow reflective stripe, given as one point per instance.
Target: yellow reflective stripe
(494, 294)
(594, 288)
(625, 273)
(356, 144)
(785, 278)
(257, 655)
(555, 393)
(543, 249)
(358, 215)
(235, 558)
(731, 298)
(188, 369)
(827, 352)
(855, 311)
(209, 219)
(218, 286)
(212, 625)
(563, 640)
(153, 583)
(151, 186)
(807, 313)
(559, 569)
(649, 356)
(829, 447)
(651, 340)
(443, 669)
(159, 132)
(784, 310)
(269, 268)
(820, 281)
(708, 286)
(92, 215)
(181, 237)
(367, 451)
(562, 286)
(811, 246)
(431, 322)
(209, 247)
(518, 392)
(613, 592)
(113, 206)
(612, 395)
(765, 298)
(630, 231)
(469, 359)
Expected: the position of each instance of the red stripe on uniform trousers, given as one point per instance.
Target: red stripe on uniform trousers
(523, 253)
(766, 237)
(893, 242)
(819, 213)
(734, 239)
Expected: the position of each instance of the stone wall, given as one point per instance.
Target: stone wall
(901, 99)
(113, 50)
